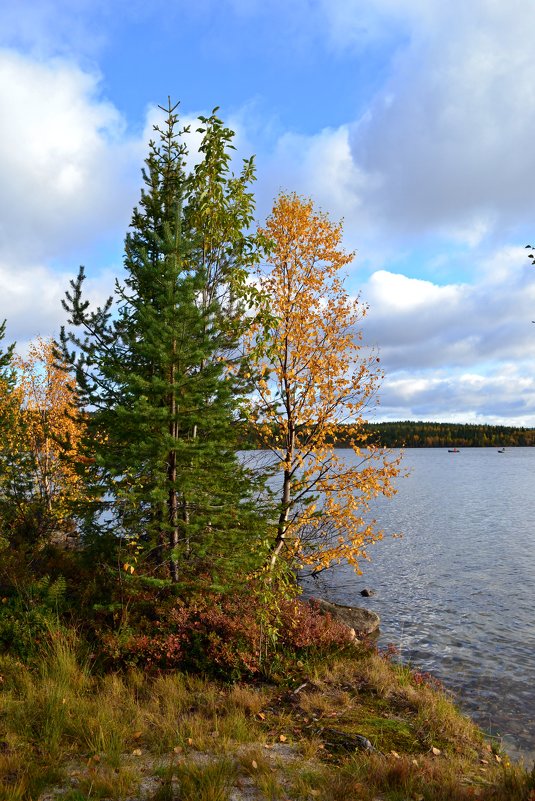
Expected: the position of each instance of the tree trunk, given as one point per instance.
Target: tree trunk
(172, 501)
(286, 501)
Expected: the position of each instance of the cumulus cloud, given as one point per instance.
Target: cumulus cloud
(319, 166)
(419, 325)
(66, 160)
(31, 300)
(459, 351)
(445, 144)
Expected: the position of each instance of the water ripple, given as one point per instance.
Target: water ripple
(456, 594)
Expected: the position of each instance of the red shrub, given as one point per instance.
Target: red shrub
(222, 635)
(303, 626)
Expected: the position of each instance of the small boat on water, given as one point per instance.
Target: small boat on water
(453, 450)
(501, 450)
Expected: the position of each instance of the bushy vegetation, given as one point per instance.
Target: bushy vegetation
(173, 735)
(144, 569)
(125, 509)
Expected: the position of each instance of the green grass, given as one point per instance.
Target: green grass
(99, 737)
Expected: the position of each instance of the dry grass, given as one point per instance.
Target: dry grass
(269, 741)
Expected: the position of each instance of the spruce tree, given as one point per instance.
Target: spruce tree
(158, 368)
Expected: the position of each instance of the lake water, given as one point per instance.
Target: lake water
(456, 595)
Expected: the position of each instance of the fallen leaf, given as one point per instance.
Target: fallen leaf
(415, 762)
(484, 761)
(137, 734)
(254, 764)
(436, 751)
(395, 754)
(283, 738)
(497, 757)
(190, 741)
(178, 749)
(261, 716)
(137, 752)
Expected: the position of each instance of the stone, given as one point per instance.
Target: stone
(361, 621)
(366, 593)
(337, 740)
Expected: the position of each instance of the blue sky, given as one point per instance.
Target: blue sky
(411, 119)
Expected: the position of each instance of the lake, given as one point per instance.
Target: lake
(456, 595)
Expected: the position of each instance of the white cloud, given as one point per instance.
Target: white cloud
(503, 396)
(403, 295)
(66, 160)
(31, 300)
(459, 352)
(445, 146)
(417, 324)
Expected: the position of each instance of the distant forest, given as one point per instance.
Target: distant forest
(411, 434)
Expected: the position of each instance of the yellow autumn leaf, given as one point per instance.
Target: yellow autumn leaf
(319, 377)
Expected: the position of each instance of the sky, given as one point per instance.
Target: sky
(413, 120)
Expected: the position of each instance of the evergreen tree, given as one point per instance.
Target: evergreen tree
(158, 367)
(8, 402)
(11, 458)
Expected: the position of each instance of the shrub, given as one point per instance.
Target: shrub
(304, 627)
(221, 635)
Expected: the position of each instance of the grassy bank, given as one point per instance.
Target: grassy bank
(65, 732)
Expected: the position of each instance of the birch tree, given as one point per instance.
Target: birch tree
(41, 483)
(312, 375)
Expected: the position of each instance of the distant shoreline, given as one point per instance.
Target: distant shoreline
(419, 434)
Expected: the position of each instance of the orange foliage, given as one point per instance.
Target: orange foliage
(46, 431)
(314, 374)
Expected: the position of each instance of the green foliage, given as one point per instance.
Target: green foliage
(6, 356)
(418, 434)
(158, 364)
(28, 615)
(411, 434)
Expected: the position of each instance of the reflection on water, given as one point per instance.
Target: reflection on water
(456, 594)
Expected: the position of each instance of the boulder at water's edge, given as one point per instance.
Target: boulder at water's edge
(361, 621)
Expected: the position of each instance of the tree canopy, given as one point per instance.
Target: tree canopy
(314, 375)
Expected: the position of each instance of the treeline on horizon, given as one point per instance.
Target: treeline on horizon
(419, 434)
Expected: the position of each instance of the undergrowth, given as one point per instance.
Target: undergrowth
(172, 735)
